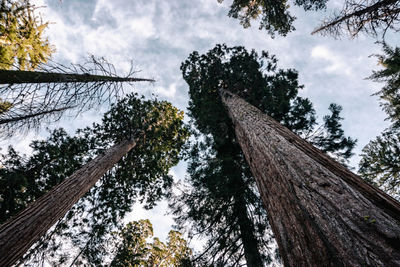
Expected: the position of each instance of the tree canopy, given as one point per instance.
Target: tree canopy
(22, 44)
(142, 175)
(134, 249)
(380, 162)
(274, 16)
(224, 204)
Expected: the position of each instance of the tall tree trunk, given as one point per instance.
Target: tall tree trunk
(20, 233)
(246, 226)
(19, 76)
(321, 213)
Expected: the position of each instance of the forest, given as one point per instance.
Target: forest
(206, 133)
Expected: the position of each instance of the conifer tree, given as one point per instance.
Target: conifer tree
(153, 128)
(274, 16)
(37, 97)
(22, 44)
(135, 250)
(380, 162)
(224, 203)
(371, 17)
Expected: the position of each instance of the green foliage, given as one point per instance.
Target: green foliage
(274, 15)
(4, 106)
(141, 175)
(380, 163)
(21, 40)
(332, 139)
(390, 75)
(219, 175)
(134, 250)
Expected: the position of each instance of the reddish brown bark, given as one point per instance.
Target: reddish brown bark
(321, 213)
(19, 234)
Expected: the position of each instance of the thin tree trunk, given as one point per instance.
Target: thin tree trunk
(20, 233)
(19, 76)
(369, 9)
(321, 213)
(33, 115)
(246, 226)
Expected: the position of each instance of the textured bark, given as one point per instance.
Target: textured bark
(321, 213)
(20, 233)
(18, 76)
(249, 241)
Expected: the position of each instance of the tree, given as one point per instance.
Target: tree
(128, 122)
(45, 95)
(224, 203)
(22, 44)
(135, 250)
(380, 162)
(390, 75)
(315, 204)
(371, 17)
(275, 16)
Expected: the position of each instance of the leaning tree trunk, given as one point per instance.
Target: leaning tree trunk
(20, 233)
(321, 213)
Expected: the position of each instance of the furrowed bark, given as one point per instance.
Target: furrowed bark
(321, 213)
(20, 233)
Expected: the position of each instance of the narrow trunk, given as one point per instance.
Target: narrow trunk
(33, 115)
(321, 213)
(20, 233)
(246, 226)
(19, 76)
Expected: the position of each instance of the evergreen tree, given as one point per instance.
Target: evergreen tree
(380, 162)
(321, 213)
(22, 44)
(274, 15)
(135, 250)
(372, 17)
(224, 204)
(153, 128)
(390, 75)
(42, 96)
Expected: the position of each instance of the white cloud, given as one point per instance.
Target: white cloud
(336, 64)
(167, 92)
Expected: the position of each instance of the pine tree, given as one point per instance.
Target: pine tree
(274, 15)
(224, 203)
(390, 75)
(156, 126)
(22, 44)
(37, 97)
(380, 162)
(135, 250)
(371, 17)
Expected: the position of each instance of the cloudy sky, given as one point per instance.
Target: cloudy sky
(158, 35)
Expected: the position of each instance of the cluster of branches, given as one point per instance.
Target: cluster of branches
(45, 95)
(373, 17)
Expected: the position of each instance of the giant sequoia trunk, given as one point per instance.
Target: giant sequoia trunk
(18, 234)
(321, 213)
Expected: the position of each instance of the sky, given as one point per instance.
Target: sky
(158, 35)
